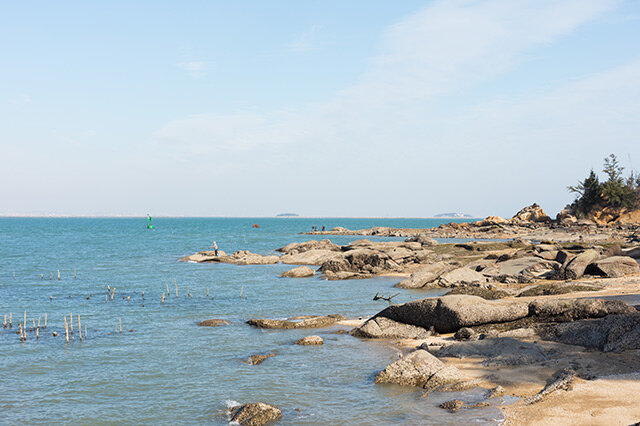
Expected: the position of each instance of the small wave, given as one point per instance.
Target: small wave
(230, 403)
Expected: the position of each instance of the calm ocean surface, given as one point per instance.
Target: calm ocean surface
(169, 370)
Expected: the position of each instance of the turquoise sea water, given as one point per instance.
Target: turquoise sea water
(169, 370)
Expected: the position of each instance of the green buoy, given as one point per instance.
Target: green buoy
(149, 225)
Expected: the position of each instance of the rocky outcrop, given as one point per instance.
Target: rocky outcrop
(420, 368)
(614, 267)
(254, 414)
(299, 272)
(364, 261)
(214, 322)
(385, 328)
(242, 257)
(422, 239)
(448, 314)
(295, 248)
(532, 213)
(497, 351)
(613, 333)
(491, 221)
(425, 275)
(310, 341)
(311, 257)
(310, 321)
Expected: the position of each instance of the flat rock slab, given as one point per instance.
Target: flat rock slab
(385, 328)
(497, 351)
(294, 323)
(242, 257)
(214, 322)
(255, 414)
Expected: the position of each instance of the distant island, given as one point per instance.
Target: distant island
(454, 216)
(287, 215)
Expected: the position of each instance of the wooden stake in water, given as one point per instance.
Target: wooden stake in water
(58, 274)
(163, 298)
(22, 336)
(128, 298)
(45, 320)
(10, 321)
(207, 291)
(120, 322)
(42, 276)
(38, 323)
(85, 332)
(168, 294)
(71, 323)
(66, 330)
(74, 274)
(37, 333)
(79, 328)
(14, 275)
(241, 288)
(176, 283)
(4, 324)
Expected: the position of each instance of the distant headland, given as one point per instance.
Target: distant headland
(288, 215)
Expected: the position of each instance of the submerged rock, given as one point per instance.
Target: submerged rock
(299, 272)
(255, 414)
(259, 359)
(453, 405)
(214, 322)
(310, 340)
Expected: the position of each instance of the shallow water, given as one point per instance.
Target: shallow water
(169, 370)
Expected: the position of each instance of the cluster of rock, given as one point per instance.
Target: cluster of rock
(618, 328)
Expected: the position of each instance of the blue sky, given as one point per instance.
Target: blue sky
(325, 108)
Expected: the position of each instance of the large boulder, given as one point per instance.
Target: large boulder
(310, 257)
(385, 328)
(254, 414)
(422, 239)
(449, 313)
(614, 267)
(309, 321)
(425, 275)
(491, 221)
(532, 213)
(364, 261)
(299, 272)
(566, 310)
(613, 333)
(310, 341)
(422, 369)
(575, 268)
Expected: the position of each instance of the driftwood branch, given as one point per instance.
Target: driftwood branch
(388, 299)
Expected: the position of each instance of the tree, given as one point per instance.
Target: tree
(590, 194)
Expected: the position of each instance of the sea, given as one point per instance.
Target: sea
(147, 362)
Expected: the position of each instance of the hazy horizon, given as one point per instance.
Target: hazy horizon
(327, 109)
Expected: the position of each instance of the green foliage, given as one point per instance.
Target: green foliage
(616, 192)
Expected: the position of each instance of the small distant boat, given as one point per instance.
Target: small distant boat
(149, 223)
(255, 225)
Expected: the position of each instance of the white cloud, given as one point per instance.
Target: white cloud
(194, 68)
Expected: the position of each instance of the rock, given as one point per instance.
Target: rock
(364, 261)
(633, 252)
(484, 292)
(295, 248)
(447, 314)
(214, 322)
(255, 414)
(242, 257)
(559, 310)
(562, 380)
(461, 276)
(310, 340)
(491, 221)
(424, 276)
(385, 328)
(422, 239)
(613, 333)
(343, 275)
(465, 333)
(551, 289)
(532, 213)
(521, 270)
(496, 351)
(311, 321)
(453, 405)
(310, 257)
(575, 267)
(299, 272)
(259, 359)
(614, 267)
(420, 368)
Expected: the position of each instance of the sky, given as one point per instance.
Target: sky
(323, 108)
